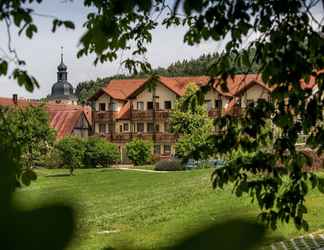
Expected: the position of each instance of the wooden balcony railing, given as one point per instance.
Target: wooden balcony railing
(125, 137)
(148, 115)
(104, 116)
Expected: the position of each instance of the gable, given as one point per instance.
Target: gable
(163, 94)
(255, 92)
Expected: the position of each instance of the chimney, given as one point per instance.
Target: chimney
(15, 99)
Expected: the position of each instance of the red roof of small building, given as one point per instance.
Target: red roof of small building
(62, 117)
(64, 121)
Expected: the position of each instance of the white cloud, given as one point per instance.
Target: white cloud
(43, 51)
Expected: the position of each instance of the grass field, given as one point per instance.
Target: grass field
(147, 210)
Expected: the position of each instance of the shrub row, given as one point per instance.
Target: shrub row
(74, 152)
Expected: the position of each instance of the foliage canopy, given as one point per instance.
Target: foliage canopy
(99, 152)
(192, 124)
(139, 151)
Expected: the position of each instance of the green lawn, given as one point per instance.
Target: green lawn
(146, 210)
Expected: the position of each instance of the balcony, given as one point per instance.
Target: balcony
(104, 116)
(126, 137)
(147, 115)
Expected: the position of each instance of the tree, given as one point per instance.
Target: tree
(29, 128)
(139, 151)
(288, 43)
(71, 151)
(85, 90)
(192, 124)
(99, 151)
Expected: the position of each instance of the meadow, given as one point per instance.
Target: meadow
(148, 210)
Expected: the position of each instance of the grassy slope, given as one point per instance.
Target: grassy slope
(146, 210)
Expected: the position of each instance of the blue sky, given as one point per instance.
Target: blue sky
(42, 53)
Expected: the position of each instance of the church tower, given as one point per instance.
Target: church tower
(62, 90)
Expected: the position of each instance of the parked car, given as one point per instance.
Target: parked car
(217, 163)
(213, 163)
(191, 164)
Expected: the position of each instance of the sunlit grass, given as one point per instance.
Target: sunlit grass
(147, 210)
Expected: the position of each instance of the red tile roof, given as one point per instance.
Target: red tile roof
(238, 83)
(64, 121)
(62, 117)
(121, 89)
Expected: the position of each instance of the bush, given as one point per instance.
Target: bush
(139, 151)
(99, 152)
(52, 159)
(169, 165)
(71, 151)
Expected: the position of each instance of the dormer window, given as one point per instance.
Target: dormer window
(102, 106)
(140, 105)
(149, 105)
(113, 106)
(167, 105)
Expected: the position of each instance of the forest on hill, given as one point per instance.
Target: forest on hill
(192, 67)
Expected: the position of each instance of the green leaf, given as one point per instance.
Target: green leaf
(3, 67)
(69, 25)
(31, 29)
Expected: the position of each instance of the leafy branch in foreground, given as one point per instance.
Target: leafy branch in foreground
(21, 228)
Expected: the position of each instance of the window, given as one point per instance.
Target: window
(102, 106)
(113, 106)
(150, 127)
(157, 149)
(102, 128)
(167, 149)
(149, 105)
(140, 127)
(218, 104)
(208, 104)
(140, 105)
(126, 127)
(167, 105)
(120, 128)
(166, 127)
